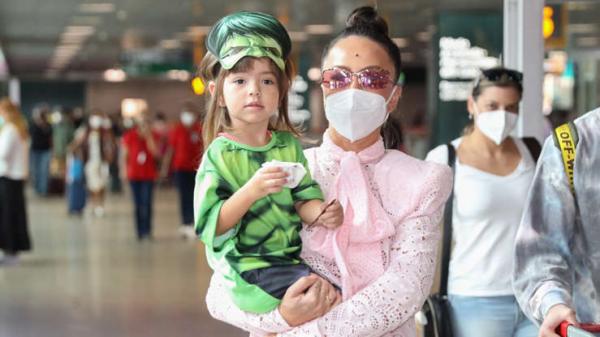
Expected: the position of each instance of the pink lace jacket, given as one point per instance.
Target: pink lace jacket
(383, 256)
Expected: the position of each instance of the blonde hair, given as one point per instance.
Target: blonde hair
(14, 116)
(217, 118)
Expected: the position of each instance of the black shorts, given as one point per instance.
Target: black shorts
(276, 280)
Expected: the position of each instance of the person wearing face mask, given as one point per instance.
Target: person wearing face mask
(493, 172)
(97, 146)
(383, 255)
(138, 153)
(183, 157)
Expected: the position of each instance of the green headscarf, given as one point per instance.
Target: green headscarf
(248, 34)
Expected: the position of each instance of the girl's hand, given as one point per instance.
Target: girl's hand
(309, 298)
(266, 180)
(333, 217)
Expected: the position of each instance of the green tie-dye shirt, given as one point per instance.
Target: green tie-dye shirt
(268, 234)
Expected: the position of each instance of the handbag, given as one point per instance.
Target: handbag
(434, 317)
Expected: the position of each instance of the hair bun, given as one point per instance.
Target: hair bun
(367, 17)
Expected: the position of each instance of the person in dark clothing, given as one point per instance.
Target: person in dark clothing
(41, 145)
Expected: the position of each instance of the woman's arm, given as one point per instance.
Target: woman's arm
(302, 302)
(221, 307)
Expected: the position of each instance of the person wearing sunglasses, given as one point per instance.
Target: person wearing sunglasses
(493, 172)
(383, 255)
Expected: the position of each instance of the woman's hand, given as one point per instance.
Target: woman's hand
(266, 180)
(309, 298)
(556, 315)
(333, 217)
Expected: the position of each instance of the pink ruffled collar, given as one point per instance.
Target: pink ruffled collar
(365, 224)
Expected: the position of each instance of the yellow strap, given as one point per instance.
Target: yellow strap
(567, 148)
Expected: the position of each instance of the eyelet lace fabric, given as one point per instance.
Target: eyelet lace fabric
(412, 193)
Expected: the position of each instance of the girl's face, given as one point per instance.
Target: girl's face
(360, 54)
(251, 96)
(495, 98)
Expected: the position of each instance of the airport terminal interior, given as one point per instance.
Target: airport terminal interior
(64, 61)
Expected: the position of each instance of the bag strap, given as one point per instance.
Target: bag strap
(533, 146)
(447, 234)
(566, 139)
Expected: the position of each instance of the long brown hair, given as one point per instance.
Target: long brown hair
(217, 118)
(14, 116)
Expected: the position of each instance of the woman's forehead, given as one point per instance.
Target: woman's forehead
(500, 94)
(356, 53)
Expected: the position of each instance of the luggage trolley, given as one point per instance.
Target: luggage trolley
(567, 329)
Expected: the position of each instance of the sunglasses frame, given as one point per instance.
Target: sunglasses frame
(358, 76)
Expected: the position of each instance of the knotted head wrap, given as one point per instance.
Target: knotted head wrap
(248, 34)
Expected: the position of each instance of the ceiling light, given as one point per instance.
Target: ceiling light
(198, 30)
(170, 44)
(115, 75)
(579, 5)
(86, 20)
(179, 75)
(298, 36)
(97, 8)
(582, 28)
(314, 74)
(71, 39)
(401, 42)
(79, 30)
(588, 41)
(319, 29)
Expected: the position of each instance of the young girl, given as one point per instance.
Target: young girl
(248, 220)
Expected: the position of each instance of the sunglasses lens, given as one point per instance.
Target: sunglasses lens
(336, 78)
(374, 79)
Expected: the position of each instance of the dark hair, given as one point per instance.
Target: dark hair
(494, 77)
(498, 77)
(365, 21)
(391, 132)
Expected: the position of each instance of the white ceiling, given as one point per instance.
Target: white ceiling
(30, 30)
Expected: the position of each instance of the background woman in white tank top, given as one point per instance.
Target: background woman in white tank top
(493, 172)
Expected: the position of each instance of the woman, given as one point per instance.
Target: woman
(14, 149)
(97, 145)
(383, 255)
(139, 152)
(493, 172)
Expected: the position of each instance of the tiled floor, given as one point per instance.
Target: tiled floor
(89, 277)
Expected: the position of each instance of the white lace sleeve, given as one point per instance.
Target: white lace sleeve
(396, 296)
(221, 307)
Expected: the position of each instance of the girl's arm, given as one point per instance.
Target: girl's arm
(330, 216)
(265, 181)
